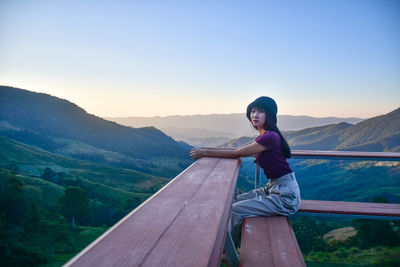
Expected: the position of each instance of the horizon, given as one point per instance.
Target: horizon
(183, 115)
(146, 59)
(158, 116)
(385, 110)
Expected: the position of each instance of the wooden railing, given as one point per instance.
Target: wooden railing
(349, 208)
(336, 155)
(350, 155)
(185, 223)
(270, 240)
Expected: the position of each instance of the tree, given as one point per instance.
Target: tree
(12, 199)
(308, 234)
(372, 233)
(74, 203)
(49, 175)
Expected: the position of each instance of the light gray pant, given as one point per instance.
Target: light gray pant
(281, 196)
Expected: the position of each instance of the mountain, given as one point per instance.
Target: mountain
(318, 138)
(197, 136)
(295, 123)
(221, 123)
(213, 129)
(381, 133)
(57, 125)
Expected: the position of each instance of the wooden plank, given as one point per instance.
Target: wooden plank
(346, 154)
(354, 208)
(202, 224)
(135, 237)
(269, 241)
(338, 154)
(131, 239)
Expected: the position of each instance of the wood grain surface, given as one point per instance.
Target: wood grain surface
(354, 208)
(346, 154)
(269, 241)
(183, 224)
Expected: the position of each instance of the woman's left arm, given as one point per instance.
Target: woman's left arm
(250, 149)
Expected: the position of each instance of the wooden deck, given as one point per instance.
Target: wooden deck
(183, 224)
(269, 241)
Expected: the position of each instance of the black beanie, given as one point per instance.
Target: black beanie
(265, 103)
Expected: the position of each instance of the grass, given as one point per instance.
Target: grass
(82, 237)
(379, 256)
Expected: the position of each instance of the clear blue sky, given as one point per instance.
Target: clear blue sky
(145, 58)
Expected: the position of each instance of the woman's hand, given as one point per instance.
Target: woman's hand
(196, 153)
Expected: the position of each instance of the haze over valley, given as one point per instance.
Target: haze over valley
(218, 129)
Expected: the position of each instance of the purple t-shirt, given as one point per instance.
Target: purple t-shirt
(272, 160)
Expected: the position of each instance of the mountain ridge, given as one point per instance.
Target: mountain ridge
(62, 112)
(381, 133)
(41, 119)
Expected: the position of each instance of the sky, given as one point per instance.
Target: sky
(157, 58)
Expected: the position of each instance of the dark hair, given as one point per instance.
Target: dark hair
(268, 105)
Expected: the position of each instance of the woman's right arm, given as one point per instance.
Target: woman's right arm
(250, 149)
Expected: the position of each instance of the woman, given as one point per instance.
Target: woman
(281, 195)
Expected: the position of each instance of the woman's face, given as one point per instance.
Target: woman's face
(257, 117)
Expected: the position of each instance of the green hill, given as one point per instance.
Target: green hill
(110, 182)
(381, 133)
(318, 138)
(34, 228)
(52, 123)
